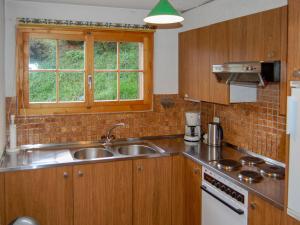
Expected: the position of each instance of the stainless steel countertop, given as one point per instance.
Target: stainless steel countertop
(45, 156)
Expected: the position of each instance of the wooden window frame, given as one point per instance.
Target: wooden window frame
(89, 36)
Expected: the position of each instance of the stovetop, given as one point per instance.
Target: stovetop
(250, 169)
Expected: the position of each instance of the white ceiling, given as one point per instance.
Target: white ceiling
(181, 5)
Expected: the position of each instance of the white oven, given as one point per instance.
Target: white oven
(223, 202)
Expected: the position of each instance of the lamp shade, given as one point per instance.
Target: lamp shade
(163, 13)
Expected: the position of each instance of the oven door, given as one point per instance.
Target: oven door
(218, 209)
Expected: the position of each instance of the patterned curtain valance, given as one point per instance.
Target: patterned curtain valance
(86, 24)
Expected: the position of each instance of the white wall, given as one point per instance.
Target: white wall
(2, 94)
(165, 55)
(221, 10)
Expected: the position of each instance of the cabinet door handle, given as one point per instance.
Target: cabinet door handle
(66, 175)
(140, 168)
(296, 73)
(80, 173)
(253, 205)
(186, 95)
(196, 171)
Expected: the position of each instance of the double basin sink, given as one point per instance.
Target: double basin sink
(136, 149)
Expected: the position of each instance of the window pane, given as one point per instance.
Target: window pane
(42, 87)
(130, 85)
(105, 55)
(71, 54)
(105, 86)
(42, 54)
(71, 87)
(131, 55)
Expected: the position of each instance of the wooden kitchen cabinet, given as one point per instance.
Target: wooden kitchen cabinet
(188, 69)
(192, 197)
(293, 41)
(261, 212)
(44, 194)
(2, 200)
(152, 187)
(103, 193)
(219, 53)
(194, 64)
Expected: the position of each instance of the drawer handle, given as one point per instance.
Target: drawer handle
(196, 171)
(66, 175)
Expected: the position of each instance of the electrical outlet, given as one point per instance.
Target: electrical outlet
(216, 119)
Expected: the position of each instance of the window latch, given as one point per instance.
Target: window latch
(90, 81)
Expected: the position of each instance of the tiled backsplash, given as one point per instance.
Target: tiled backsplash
(254, 126)
(86, 127)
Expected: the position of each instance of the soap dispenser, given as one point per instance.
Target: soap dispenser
(12, 135)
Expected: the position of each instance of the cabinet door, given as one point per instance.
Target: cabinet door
(188, 69)
(272, 34)
(237, 35)
(2, 200)
(192, 182)
(152, 191)
(178, 193)
(262, 212)
(294, 40)
(44, 194)
(202, 64)
(103, 193)
(219, 54)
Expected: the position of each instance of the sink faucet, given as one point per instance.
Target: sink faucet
(108, 137)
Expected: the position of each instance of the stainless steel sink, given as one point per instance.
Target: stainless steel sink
(92, 153)
(136, 149)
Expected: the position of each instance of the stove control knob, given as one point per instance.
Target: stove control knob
(218, 185)
(223, 187)
(213, 182)
(239, 198)
(233, 194)
(228, 191)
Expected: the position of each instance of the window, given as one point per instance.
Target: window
(80, 70)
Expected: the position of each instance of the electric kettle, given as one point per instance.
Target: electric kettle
(215, 134)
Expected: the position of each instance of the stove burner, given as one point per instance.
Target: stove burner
(250, 176)
(228, 164)
(268, 170)
(251, 160)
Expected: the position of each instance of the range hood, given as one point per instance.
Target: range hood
(248, 73)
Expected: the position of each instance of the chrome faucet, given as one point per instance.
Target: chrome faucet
(109, 137)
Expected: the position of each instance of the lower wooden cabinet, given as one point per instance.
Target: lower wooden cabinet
(44, 194)
(192, 197)
(260, 212)
(152, 185)
(2, 205)
(103, 193)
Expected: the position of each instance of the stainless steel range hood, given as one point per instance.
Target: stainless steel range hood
(248, 73)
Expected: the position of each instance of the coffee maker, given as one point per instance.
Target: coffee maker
(192, 127)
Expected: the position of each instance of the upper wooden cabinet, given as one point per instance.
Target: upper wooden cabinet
(194, 58)
(263, 213)
(188, 58)
(294, 40)
(152, 182)
(257, 37)
(219, 53)
(103, 193)
(44, 194)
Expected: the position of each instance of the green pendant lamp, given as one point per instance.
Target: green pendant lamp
(164, 13)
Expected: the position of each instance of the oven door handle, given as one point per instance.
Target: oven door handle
(238, 211)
